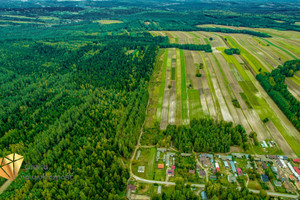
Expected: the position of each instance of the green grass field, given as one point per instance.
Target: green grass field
(194, 104)
(162, 87)
(184, 97)
(147, 159)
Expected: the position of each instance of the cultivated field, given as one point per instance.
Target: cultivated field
(109, 21)
(227, 89)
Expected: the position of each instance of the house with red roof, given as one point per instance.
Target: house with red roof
(239, 171)
(173, 167)
(297, 160)
(170, 172)
(297, 170)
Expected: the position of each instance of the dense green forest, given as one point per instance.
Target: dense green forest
(221, 136)
(274, 84)
(77, 108)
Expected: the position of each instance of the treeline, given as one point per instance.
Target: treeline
(274, 85)
(206, 135)
(217, 191)
(227, 30)
(232, 51)
(203, 47)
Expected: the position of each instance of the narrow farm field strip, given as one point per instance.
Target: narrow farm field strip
(194, 104)
(207, 86)
(165, 107)
(255, 64)
(282, 49)
(184, 97)
(223, 109)
(178, 89)
(225, 86)
(197, 59)
(162, 87)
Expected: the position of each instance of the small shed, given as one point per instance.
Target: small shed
(203, 195)
(159, 190)
(141, 169)
(231, 178)
(277, 183)
(160, 166)
(264, 178)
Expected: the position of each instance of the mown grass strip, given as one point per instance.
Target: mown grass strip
(279, 48)
(162, 87)
(195, 104)
(184, 97)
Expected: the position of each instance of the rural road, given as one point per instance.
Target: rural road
(275, 194)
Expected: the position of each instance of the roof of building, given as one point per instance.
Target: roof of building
(141, 168)
(297, 160)
(160, 166)
(277, 183)
(131, 187)
(274, 169)
(159, 190)
(173, 167)
(297, 170)
(264, 178)
(202, 173)
(239, 171)
(238, 155)
(226, 164)
(292, 178)
(264, 165)
(272, 156)
(171, 171)
(203, 195)
(231, 178)
(298, 185)
(192, 171)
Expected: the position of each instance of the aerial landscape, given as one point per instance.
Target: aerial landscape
(162, 100)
